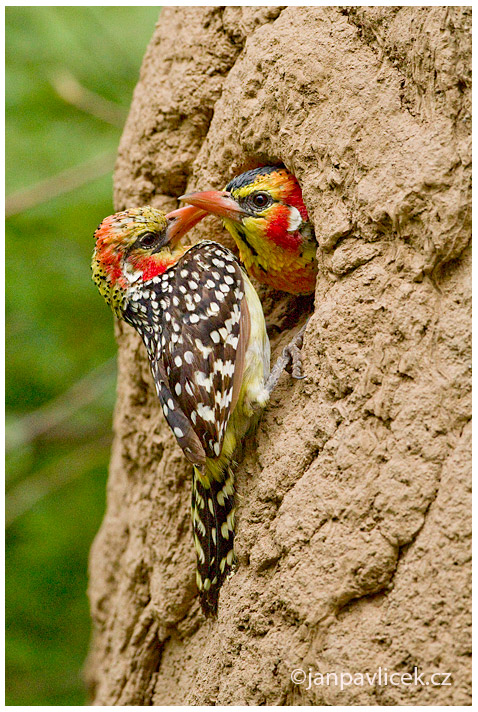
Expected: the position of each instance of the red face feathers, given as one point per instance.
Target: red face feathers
(264, 212)
(137, 244)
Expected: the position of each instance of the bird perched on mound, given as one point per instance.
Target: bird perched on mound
(203, 327)
(264, 212)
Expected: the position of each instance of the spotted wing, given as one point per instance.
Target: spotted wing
(198, 360)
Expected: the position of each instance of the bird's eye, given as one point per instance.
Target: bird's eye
(148, 239)
(260, 200)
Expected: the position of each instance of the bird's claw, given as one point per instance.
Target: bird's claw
(290, 360)
(295, 364)
(292, 352)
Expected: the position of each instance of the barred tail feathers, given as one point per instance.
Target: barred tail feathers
(213, 527)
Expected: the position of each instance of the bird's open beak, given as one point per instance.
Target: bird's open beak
(217, 202)
(181, 221)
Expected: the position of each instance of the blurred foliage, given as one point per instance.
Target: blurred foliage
(70, 73)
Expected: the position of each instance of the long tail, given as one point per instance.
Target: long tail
(212, 509)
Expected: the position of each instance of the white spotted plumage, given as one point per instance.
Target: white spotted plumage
(195, 359)
(203, 327)
(209, 356)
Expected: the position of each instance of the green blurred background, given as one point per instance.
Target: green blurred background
(70, 74)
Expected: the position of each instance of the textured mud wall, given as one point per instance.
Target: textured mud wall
(353, 508)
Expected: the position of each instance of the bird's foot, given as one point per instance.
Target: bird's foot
(293, 351)
(290, 360)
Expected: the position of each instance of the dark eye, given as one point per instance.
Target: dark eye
(148, 239)
(260, 200)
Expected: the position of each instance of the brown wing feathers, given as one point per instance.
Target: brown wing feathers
(195, 324)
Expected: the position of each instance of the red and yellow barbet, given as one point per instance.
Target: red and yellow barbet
(203, 327)
(264, 212)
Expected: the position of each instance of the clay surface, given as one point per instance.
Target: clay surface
(353, 531)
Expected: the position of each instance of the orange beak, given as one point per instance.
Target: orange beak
(217, 202)
(181, 221)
